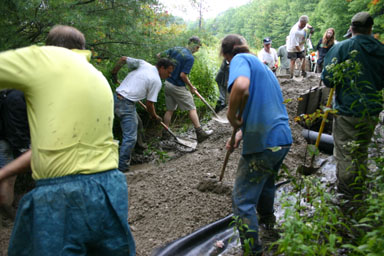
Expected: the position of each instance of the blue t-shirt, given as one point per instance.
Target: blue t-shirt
(265, 117)
(184, 59)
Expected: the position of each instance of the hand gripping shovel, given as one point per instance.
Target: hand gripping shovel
(216, 117)
(233, 137)
(311, 169)
(183, 142)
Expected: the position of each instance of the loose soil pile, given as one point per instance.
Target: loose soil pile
(164, 202)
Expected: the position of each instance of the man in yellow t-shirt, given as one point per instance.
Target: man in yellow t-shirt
(80, 203)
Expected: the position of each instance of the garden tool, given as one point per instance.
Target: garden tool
(188, 143)
(233, 136)
(219, 186)
(216, 117)
(231, 142)
(311, 169)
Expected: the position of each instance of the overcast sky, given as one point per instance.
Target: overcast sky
(183, 9)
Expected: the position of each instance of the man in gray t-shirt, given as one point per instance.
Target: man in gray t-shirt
(282, 53)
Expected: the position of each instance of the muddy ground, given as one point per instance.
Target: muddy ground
(164, 202)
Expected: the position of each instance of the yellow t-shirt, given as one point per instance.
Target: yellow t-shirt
(70, 110)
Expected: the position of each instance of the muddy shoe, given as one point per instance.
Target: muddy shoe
(268, 221)
(304, 74)
(201, 134)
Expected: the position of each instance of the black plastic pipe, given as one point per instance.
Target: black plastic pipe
(326, 140)
(201, 241)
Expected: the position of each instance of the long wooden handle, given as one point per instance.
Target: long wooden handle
(325, 117)
(163, 124)
(233, 137)
(206, 103)
(231, 142)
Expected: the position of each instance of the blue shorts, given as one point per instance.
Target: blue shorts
(74, 215)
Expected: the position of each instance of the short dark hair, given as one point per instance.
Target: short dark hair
(361, 30)
(194, 40)
(66, 36)
(165, 63)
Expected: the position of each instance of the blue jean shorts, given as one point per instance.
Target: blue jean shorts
(74, 215)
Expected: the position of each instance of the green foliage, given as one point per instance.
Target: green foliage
(274, 18)
(162, 156)
(242, 228)
(318, 226)
(202, 76)
(313, 230)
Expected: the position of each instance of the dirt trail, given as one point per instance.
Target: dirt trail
(164, 202)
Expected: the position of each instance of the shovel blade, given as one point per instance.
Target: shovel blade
(187, 143)
(220, 119)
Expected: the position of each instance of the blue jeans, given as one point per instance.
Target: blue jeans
(254, 190)
(74, 215)
(125, 110)
(6, 154)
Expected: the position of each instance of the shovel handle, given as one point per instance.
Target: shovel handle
(163, 124)
(325, 117)
(231, 142)
(206, 103)
(233, 136)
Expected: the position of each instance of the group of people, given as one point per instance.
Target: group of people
(144, 82)
(80, 203)
(295, 48)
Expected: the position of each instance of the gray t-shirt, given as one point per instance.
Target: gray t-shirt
(283, 54)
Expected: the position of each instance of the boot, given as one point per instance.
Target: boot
(201, 134)
(303, 73)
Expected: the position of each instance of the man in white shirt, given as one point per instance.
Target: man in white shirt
(268, 55)
(296, 44)
(144, 82)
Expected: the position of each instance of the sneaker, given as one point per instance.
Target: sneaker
(304, 74)
(201, 134)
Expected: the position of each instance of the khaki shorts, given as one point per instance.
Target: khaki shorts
(178, 96)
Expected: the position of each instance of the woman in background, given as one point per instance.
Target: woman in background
(323, 47)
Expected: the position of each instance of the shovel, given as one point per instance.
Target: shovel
(216, 117)
(231, 142)
(183, 142)
(311, 169)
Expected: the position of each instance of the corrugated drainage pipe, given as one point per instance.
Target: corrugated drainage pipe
(326, 140)
(201, 241)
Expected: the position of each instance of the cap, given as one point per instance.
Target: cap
(348, 34)
(362, 19)
(267, 40)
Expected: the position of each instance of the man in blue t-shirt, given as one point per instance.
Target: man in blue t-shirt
(256, 93)
(176, 93)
